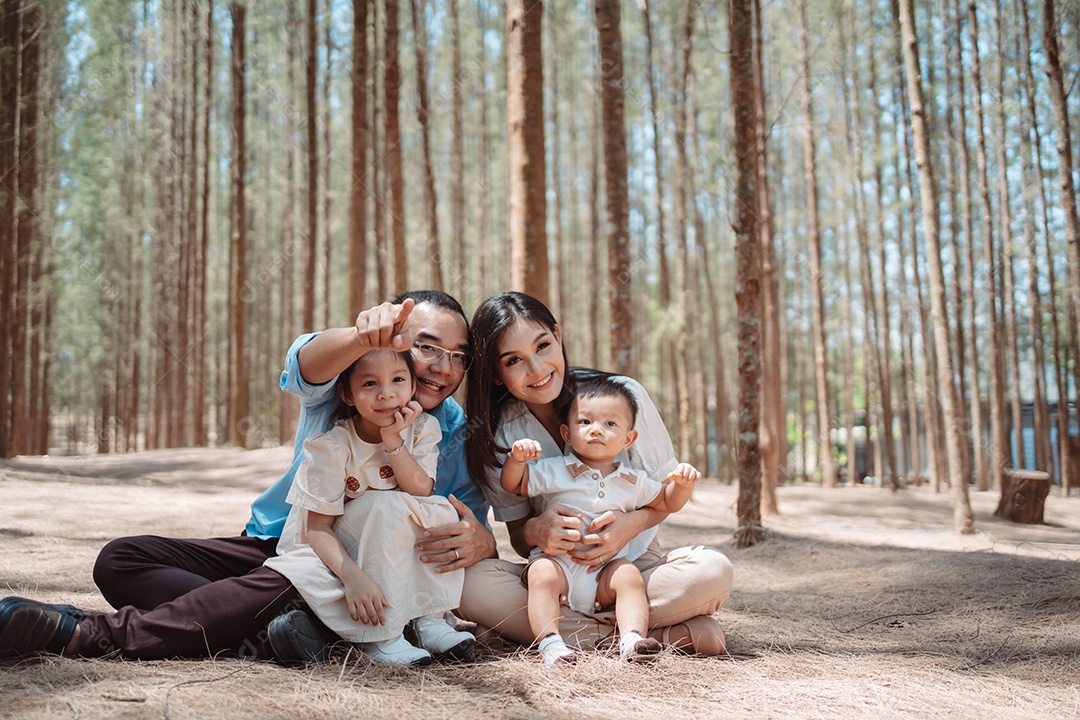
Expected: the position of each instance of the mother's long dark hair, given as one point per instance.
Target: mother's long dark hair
(484, 399)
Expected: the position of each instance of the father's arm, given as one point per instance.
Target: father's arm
(332, 351)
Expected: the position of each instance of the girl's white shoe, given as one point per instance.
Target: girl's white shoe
(396, 652)
(436, 636)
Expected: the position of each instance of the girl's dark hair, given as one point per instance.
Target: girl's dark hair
(434, 297)
(344, 411)
(484, 400)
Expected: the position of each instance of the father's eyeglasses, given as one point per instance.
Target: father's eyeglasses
(433, 353)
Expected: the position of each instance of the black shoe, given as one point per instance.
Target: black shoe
(28, 627)
(298, 637)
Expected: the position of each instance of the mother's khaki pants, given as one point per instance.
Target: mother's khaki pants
(682, 584)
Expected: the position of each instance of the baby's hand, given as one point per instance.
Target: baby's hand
(525, 450)
(685, 474)
(403, 418)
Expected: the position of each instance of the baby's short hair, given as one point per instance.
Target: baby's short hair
(606, 386)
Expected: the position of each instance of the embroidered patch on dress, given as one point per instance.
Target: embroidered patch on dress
(386, 472)
(352, 484)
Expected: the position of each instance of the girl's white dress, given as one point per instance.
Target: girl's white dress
(377, 524)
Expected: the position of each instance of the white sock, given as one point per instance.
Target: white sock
(552, 649)
(627, 642)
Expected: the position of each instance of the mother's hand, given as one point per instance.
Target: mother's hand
(607, 536)
(556, 531)
(457, 545)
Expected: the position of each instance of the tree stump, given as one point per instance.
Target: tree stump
(1023, 496)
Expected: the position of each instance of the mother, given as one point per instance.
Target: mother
(519, 386)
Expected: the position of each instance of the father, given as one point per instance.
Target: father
(188, 597)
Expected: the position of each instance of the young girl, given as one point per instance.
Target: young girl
(347, 545)
(520, 386)
(589, 480)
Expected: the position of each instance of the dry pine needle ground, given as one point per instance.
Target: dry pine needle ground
(861, 604)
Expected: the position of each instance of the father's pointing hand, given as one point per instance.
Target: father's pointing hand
(385, 327)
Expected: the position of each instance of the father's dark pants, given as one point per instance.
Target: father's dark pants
(146, 571)
(184, 598)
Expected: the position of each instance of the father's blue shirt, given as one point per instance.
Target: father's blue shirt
(317, 403)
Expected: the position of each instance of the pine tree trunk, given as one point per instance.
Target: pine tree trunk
(238, 358)
(682, 301)
(871, 316)
(747, 289)
(136, 286)
(287, 273)
(976, 434)
(615, 180)
(38, 411)
(853, 127)
(10, 42)
(328, 243)
(1005, 258)
(595, 247)
(954, 170)
(358, 187)
(173, 379)
(186, 167)
(703, 281)
(666, 343)
(158, 361)
(28, 224)
(384, 260)
(935, 450)
(37, 443)
(962, 515)
(876, 292)
(483, 209)
(773, 433)
(908, 351)
(573, 273)
(192, 422)
(696, 292)
(720, 398)
(457, 202)
(1068, 196)
(527, 182)
(558, 269)
(311, 146)
(198, 401)
(392, 140)
(43, 326)
(1043, 448)
(1044, 451)
(821, 374)
(423, 117)
(998, 450)
(799, 359)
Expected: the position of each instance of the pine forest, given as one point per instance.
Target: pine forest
(837, 241)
